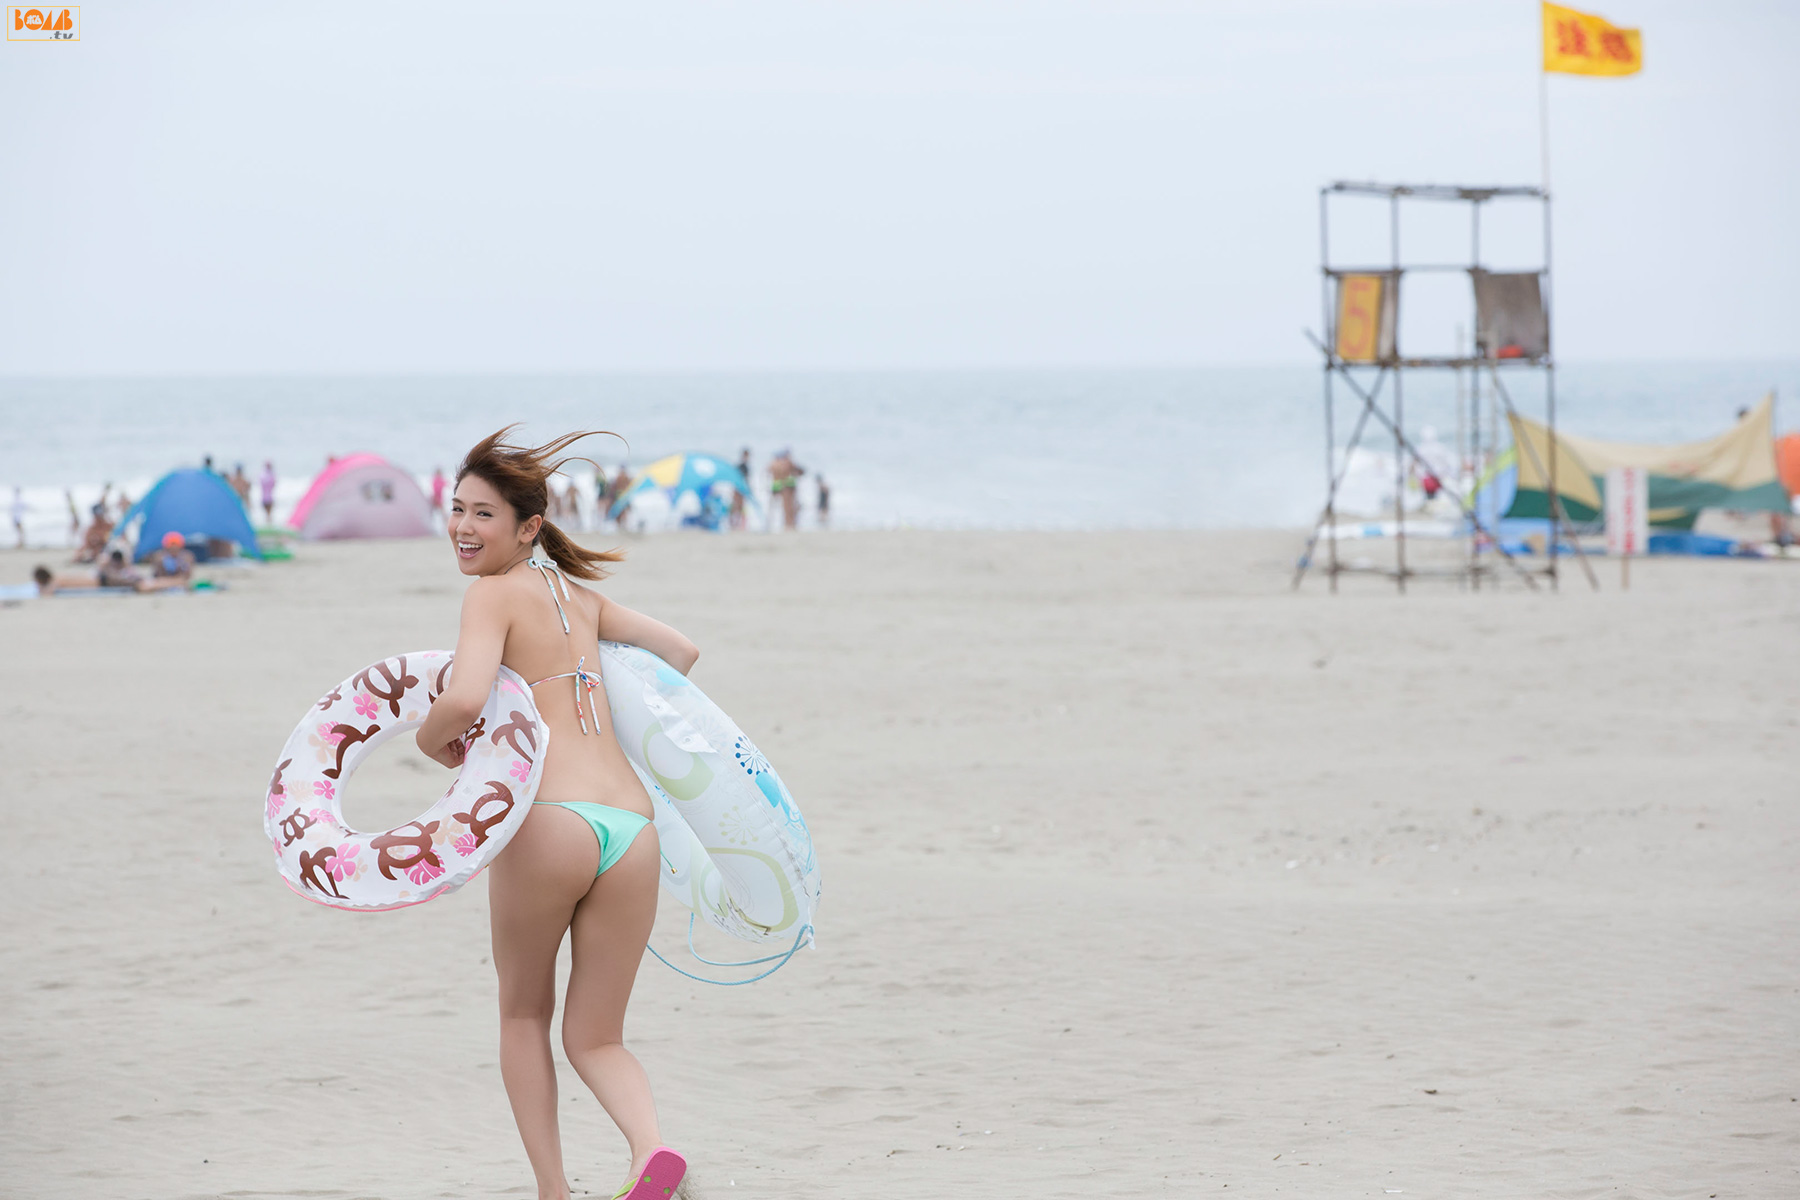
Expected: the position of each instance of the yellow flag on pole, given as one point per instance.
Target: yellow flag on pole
(1578, 43)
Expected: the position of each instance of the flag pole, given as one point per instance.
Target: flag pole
(1550, 375)
(1544, 126)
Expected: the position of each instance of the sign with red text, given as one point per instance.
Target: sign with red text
(1627, 511)
(1578, 43)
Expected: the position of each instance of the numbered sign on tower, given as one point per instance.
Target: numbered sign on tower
(1365, 318)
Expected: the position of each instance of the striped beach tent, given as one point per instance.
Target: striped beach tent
(678, 473)
(1735, 470)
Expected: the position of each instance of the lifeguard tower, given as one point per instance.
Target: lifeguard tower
(1509, 314)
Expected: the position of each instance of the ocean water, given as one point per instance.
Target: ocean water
(1190, 448)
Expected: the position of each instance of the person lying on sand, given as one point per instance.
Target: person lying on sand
(48, 584)
(115, 572)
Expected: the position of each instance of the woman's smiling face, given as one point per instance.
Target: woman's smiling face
(485, 533)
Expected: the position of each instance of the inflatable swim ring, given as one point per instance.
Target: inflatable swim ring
(324, 860)
(735, 848)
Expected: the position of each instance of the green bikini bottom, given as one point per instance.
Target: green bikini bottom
(616, 828)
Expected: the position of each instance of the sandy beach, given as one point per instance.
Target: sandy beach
(1143, 877)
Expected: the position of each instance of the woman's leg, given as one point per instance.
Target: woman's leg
(533, 888)
(611, 926)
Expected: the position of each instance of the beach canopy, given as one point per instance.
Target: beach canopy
(362, 496)
(1735, 470)
(678, 473)
(194, 503)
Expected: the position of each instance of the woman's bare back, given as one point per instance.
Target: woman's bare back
(580, 764)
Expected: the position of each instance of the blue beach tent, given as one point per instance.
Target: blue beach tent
(194, 504)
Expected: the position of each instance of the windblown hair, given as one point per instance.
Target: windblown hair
(521, 475)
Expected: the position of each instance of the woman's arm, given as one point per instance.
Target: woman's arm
(479, 646)
(621, 624)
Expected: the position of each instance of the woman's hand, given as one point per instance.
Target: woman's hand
(450, 754)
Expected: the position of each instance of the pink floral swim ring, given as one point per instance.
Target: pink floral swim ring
(324, 860)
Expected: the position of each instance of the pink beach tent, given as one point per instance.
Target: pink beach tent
(362, 496)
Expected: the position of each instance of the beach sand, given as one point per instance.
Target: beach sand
(1143, 877)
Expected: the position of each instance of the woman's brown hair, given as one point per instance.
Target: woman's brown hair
(521, 474)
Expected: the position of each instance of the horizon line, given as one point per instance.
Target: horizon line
(913, 369)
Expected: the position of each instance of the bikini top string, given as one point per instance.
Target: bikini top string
(584, 678)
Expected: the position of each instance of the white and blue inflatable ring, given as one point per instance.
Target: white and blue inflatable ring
(736, 850)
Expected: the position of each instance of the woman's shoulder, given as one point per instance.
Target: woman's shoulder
(491, 595)
(588, 593)
(506, 593)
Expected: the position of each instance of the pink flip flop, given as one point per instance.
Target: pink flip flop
(659, 1179)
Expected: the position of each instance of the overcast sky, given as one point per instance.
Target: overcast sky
(277, 187)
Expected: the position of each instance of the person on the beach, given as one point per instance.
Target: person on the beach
(93, 542)
(74, 516)
(267, 485)
(572, 502)
(563, 506)
(240, 484)
(602, 493)
(824, 503)
(174, 560)
(438, 484)
(784, 483)
(115, 572)
(49, 583)
(620, 482)
(740, 517)
(587, 866)
(19, 508)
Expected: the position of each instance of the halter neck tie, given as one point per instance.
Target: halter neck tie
(585, 680)
(553, 575)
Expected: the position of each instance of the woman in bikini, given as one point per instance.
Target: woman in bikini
(585, 862)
